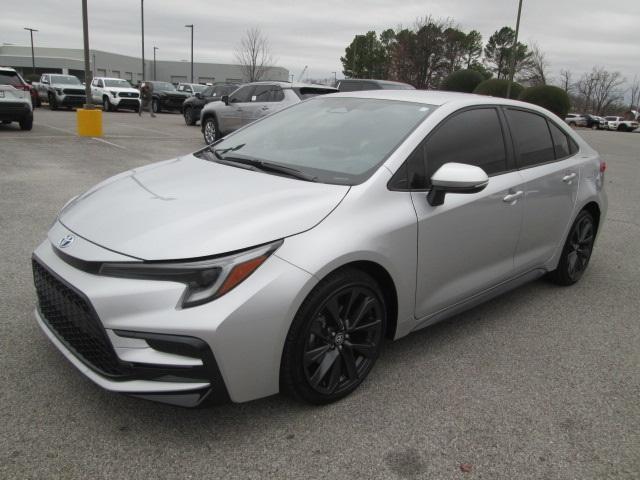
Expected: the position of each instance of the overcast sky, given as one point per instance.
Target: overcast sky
(575, 34)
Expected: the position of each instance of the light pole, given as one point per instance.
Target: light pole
(142, 28)
(33, 57)
(87, 65)
(191, 27)
(513, 51)
(154, 61)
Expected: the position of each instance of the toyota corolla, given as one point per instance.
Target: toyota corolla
(280, 258)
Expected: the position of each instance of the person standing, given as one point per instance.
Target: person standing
(146, 98)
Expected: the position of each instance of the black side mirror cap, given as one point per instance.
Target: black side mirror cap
(225, 99)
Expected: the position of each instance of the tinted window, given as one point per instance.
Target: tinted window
(9, 78)
(532, 138)
(242, 94)
(395, 86)
(262, 93)
(308, 92)
(208, 92)
(473, 137)
(277, 95)
(349, 86)
(560, 142)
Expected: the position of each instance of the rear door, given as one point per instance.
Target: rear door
(467, 244)
(548, 161)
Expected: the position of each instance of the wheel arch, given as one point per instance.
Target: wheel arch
(594, 209)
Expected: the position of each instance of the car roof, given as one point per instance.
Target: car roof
(434, 97)
(369, 80)
(110, 78)
(291, 85)
(8, 69)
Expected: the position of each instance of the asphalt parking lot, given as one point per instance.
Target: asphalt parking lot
(542, 383)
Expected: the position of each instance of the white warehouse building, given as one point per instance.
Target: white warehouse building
(106, 64)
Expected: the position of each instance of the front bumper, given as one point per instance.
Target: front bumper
(125, 102)
(71, 100)
(228, 349)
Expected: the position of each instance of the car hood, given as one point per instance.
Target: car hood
(122, 89)
(189, 207)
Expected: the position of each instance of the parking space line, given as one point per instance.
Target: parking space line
(70, 132)
(108, 143)
(142, 128)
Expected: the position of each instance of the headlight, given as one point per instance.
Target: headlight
(115, 94)
(206, 280)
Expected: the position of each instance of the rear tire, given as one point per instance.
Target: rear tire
(188, 116)
(576, 252)
(210, 130)
(335, 338)
(27, 123)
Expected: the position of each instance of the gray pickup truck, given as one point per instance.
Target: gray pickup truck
(61, 91)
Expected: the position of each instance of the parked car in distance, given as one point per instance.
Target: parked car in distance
(252, 102)
(595, 122)
(282, 257)
(114, 93)
(61, 91)
(9, 76)
(620, 124)
(166, 97)
(193, 105)
(575, 120)
(15, 100)
(191, 88)
(357, 84)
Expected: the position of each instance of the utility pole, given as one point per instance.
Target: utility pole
(154, 61)
(191, 27)
(33, 56)
(142, 23)
(87, 65)
(513, 51)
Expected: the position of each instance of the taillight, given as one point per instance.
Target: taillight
(603, 166)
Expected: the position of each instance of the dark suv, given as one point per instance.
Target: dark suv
(192, 106)
(357, 84)
(166, 97)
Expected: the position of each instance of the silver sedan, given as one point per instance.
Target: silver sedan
(281, 258)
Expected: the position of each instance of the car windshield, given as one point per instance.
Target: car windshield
(163, 87)
(198, 88)
(65, 80)
(334, 140)
(611, 119)
(117, 83)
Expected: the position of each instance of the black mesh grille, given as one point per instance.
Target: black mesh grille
(73, 320)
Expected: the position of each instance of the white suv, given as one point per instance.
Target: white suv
(15, 104)
(620, 124)
(114, 93)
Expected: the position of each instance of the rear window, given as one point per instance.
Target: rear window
(10, 78)
(349, 86)
(396, 86)
(308, 92)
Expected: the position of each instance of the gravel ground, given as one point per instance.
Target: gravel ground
(541, 383)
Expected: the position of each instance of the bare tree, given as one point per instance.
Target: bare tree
(254, 55)
(635, 93)
(566, 82)
(535, 70)
(598, 90)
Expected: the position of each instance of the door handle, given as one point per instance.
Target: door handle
(567, 178)
(513, 197)
(265, 108)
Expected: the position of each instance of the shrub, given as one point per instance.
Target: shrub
(552, 98)
(462, 81)
(498, 88)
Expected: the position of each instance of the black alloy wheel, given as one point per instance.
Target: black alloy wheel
(577, 250)
(335, 338)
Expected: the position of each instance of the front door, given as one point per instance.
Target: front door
(231, 116)
(466, 245)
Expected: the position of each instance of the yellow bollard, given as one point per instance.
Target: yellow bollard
(89, 122)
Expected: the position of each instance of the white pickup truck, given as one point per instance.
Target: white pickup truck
(621, 125)
(61, 91)
(114, 93)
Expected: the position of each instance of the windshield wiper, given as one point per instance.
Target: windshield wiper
(263, 165)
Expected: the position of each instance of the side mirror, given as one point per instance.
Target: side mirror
(198, 95)
(456, 178)
(225, 99)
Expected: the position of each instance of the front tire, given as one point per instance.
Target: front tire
(576, 252)
(210, 130)
(106, 104)
(53, 103)
(155, 106)
(335, 338)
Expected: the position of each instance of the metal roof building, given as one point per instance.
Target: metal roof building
(106, 64)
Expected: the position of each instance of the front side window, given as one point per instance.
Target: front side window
(242, 95)
(208, 92)
(531, 137)
(336, 140)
